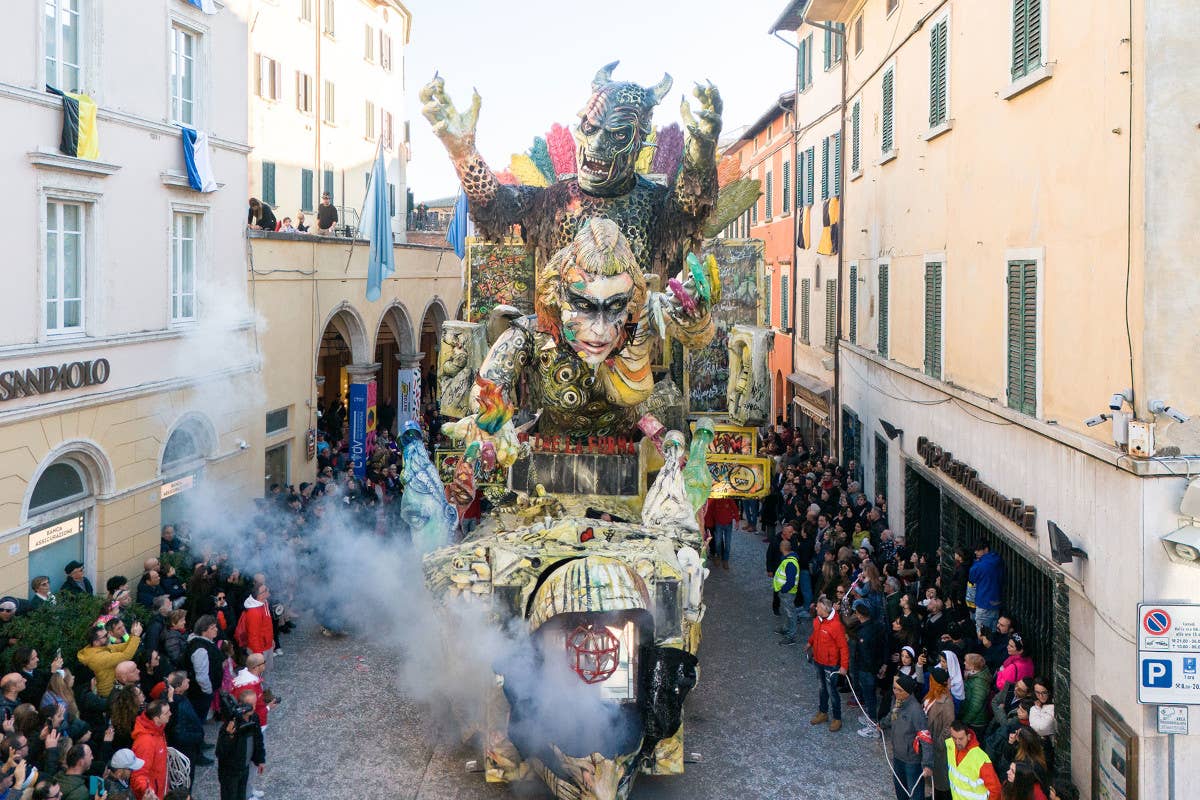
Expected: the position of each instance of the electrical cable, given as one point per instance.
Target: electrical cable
(966, 409)
(832, 679)
(894, 397)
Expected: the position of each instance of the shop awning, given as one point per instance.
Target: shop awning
(818, 391)
(809, 410)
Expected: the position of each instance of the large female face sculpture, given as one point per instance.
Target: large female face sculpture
(594, 313)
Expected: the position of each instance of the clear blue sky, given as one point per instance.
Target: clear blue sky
(533, 61)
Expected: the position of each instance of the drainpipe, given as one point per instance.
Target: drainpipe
(835, 403)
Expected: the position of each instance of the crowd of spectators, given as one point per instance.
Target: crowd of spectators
(260, 216)
(931, 658)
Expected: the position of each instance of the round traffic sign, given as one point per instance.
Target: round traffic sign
(1156, 622)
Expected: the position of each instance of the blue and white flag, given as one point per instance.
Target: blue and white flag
(199, 161)
(207, 6)
(377, 225)
(456, 234)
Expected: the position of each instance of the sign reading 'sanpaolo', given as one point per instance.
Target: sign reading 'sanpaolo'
(16, 383)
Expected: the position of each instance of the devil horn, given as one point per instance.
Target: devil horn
(603, 76)
(661, 88)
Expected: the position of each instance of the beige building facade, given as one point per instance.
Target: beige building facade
(122, 285)
(326, 91)
(1017, 210)
(321, 334)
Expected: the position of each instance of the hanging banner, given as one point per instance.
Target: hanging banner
(409, 407)
(358, 428)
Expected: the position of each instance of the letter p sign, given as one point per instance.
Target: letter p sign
(1156, 674)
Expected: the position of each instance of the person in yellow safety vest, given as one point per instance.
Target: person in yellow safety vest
(787, 579)
(972, 776)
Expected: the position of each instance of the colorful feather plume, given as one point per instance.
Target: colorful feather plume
(494, 410)
(669, 151)
(646, 155)
(561, 144)
(507, 178)
(540, 155)
(526, 171)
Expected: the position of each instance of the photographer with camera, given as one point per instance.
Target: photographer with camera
(239, 744)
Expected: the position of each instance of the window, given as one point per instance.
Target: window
(938, 65)
(268, 183)
(767, 298)
(858, 35)
(63, 44)
(785, 191)
(277, 421)
(64, 267)
(61, 483)
(369, 45)
(183, 268)
(882, 345)
(809, 197)
(834, 45)
(270, 78)
(1022, 336)
(933, 319)
(327, 181)
(369, 121)
(830, 314)
(881, 465)
(1027, 37)
(804, 76)
(385, 121)
(328, 111)
(856, 136)
(391, 199)
(784, 312)
(889, 80)
(805, 291)
(183, 76)
(327, 18)
(837, 165)
(854, 303)
(306, 10)
(304, 89)
(825, 168)
(385, 51)
(754, 213)
(306, 190)
(770, 194)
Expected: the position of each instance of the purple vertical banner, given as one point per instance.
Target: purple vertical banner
(358, 428)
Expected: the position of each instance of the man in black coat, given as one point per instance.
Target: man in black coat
(76, 581)
(239, 744)
(204, 664)
(867, 648)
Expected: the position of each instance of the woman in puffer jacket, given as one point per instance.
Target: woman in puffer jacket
(978, 686)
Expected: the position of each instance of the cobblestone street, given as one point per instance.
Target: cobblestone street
(345, 730)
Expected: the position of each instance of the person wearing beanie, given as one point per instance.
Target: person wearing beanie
(76, 581)
(939, 713)
(867, 656)
(912, 754)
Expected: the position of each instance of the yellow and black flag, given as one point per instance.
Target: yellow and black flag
(802, 232)
(831, 219)
(79, 136)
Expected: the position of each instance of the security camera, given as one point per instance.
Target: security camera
(1183, 545)
(1160, 407)
(1116, 401)
(1092, 422)
(243, 444)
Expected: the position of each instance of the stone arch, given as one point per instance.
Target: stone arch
(399, 323)
(349, 324)
(437, 309)
(199, 428)
(88, 458)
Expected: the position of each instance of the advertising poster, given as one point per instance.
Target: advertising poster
(409, 392)
(358, 428)
(1114, 755)
(707, 371)
(498, 274)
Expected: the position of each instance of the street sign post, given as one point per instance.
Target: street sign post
(1169, 654)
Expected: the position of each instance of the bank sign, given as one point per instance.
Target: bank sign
(1168, 653)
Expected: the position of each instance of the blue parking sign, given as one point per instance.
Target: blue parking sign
(1189, 665)
(1156, 674)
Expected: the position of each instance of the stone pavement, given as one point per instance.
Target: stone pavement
(345, 729)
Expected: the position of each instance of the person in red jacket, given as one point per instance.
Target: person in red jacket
(150, 745)
(719, 518)
(831, 653)
(254, 631)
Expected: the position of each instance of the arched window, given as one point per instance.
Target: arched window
(62, 482)
(189, 443)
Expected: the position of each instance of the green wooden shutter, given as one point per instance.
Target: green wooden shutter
(933, 320)
(854, 303)
(830, 314)
(767, 296)
(770, 195)
(889, 78)
(754, 213)
(882, 346)
(1022, 336)
(837, 165)
(825, 168)
(784, 282)
(1027, 37)
(937, 73)
(268, 183)
(828, 48)
(805, 291)
(808, 79)
(785, 191)
(306, 189)
(855, 136)
(812, 168)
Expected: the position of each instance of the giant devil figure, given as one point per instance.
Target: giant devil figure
(662, 223)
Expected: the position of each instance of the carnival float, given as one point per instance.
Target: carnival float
(603, 385)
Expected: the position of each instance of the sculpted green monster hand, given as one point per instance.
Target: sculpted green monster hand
(457, 131)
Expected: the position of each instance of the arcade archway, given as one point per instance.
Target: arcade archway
(395, 350)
